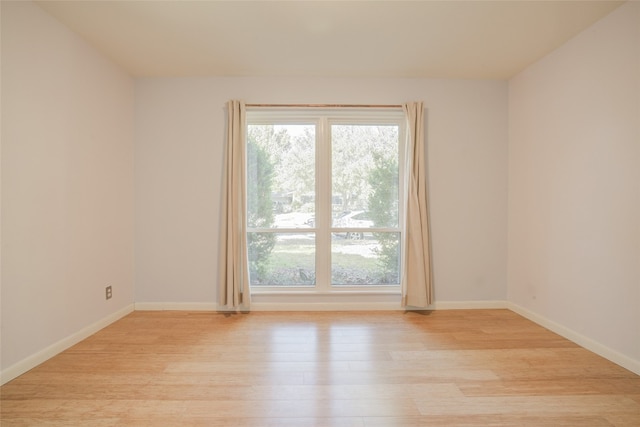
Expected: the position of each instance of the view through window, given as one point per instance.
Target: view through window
(323, 199)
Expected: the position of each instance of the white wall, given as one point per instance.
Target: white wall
(67, 185)
(574, 187)
(180, 128)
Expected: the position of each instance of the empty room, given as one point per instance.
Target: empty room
(320, 213)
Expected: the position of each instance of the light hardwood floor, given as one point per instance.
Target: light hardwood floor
(443, 368)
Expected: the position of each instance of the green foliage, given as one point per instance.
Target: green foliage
(383, 210)
(259, 207)
(350, 160)
(298, 170)
(293, 160)
(355, 149)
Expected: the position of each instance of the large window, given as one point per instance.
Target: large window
(323, 199)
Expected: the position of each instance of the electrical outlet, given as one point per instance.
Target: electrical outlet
(108, 292)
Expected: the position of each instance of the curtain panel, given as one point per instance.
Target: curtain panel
(417, 289)
(234, 272)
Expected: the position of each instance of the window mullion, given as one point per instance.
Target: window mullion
(323, 207)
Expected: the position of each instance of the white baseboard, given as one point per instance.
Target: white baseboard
(320, 306)
(372, 306)
(34, 360)
(469, 305)
(176, 306)
(586, 342)
(267, 306)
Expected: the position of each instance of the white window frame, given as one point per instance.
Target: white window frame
(323, 119)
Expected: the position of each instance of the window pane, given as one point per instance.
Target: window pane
(282, 259)
(280, 176)
(364, 163)
(369, 259)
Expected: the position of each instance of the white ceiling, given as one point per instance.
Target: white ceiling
(435, 39)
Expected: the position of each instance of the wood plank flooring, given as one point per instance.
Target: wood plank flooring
(364, 369)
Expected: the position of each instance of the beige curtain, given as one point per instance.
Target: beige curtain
(234, 272)
(416, 280)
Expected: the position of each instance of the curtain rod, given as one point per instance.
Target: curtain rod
(326, 105)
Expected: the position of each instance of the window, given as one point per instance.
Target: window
(323, 199)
